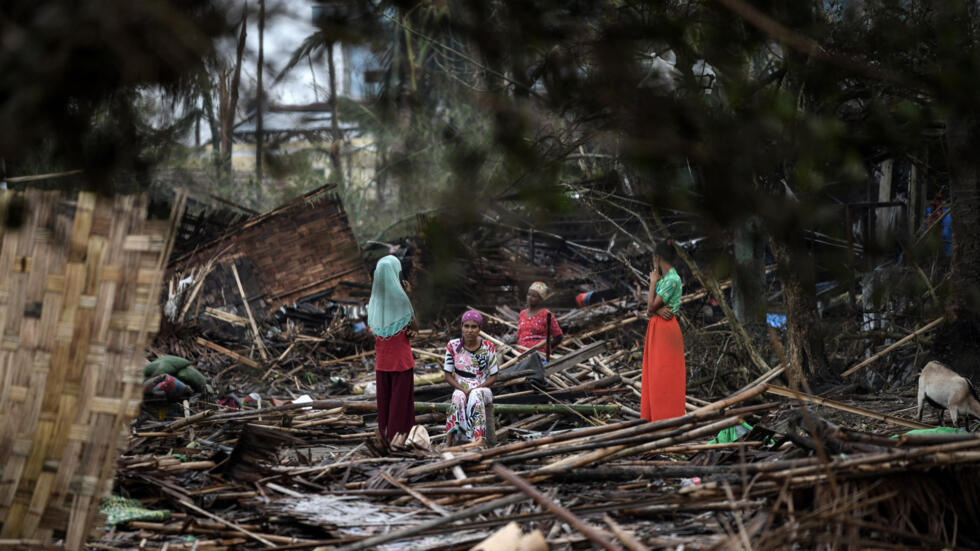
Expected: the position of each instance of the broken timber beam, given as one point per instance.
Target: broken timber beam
(231, 354)
(580, 355)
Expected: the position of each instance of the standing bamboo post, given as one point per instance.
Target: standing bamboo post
(248, 310)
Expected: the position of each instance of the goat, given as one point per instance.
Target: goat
(945, 389)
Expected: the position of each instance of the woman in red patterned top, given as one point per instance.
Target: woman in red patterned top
(532, 324)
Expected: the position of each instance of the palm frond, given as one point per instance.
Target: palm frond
(310, 46)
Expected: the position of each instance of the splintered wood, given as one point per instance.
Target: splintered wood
(79, 286)
(282, 454)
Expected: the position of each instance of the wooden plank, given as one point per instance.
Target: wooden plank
(578, 356)
(231, 354)
(225, 316)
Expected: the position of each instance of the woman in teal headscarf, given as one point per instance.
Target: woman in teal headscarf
(391, 319)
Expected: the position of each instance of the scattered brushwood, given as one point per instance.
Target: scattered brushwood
(282, 455)
(799, 477)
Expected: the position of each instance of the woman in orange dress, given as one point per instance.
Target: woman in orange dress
(664, 384)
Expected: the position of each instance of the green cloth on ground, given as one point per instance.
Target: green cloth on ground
(731, 434)
(937, 430)
(191, 376)
(389, 309)
(168, 365)
(119, 509)
(178, 367)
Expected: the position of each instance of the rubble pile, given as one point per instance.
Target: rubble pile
(279, 452)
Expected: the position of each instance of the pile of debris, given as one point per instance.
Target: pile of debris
(277, 453)
(291, 466)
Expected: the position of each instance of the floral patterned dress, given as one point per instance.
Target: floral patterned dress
(468, 416)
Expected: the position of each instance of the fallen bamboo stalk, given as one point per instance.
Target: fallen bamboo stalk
(765, 377)
(638, 437)
(364, 354)
(229, 524)
(190, 466)
(564, 514)
(700, 414)
(897, 344)
(410, 531)
(47, 176)
(279, 359)
(734, 399)
(797, 395)
(517, 446)
(624, 450)
(628, 539)
(523, 355)
(591, 409)
(179, 528)
(428, 354)
(608, 327)
(421, 498)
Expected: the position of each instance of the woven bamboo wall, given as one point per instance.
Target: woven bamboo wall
(79, 278)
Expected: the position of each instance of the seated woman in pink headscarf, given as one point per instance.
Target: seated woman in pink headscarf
(471, 369)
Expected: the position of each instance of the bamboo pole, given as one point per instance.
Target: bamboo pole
(627, 538)
(517, 446)
(230, 353)
(497, 319)
(36, 177)
(248, 310)
(373, 542)
(787, 393)
(421, 498)
(591, 409)
(637, 435)
(622, 450)
(897, 344)
(229, 524)
(564, 514)
(347, 358)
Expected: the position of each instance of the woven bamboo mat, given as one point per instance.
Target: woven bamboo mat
(79, 297)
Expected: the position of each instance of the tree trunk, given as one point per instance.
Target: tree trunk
(962, 133)
(229, 96)
(748, 300)
(337, 174)
(260, 104)
(956, 342)
(797, 272)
